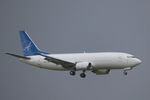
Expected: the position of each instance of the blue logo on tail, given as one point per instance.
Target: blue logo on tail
(29, 48)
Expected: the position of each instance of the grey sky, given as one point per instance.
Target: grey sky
(65, 26)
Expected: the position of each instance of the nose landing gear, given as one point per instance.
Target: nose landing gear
(125, 73)
(126, 69)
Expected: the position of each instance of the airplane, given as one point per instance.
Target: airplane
(100, 63)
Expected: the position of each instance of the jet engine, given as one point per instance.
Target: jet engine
(101, 71)
(83, 66)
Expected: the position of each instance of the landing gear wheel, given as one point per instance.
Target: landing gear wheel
(125, 73)
(82, 75)
(72, 73)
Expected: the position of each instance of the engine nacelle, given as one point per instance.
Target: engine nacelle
(101, 71)
(83, 66)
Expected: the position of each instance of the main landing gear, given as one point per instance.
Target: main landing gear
(82, 75)
(72, 73)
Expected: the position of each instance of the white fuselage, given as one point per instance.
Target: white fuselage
(106, 60)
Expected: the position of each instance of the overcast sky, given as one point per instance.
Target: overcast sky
(66, 26)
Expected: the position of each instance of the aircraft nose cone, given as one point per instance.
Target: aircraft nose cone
(138, 61)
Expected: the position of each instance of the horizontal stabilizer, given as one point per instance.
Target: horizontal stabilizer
(18, 56)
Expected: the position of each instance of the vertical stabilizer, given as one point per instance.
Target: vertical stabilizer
(28, 46)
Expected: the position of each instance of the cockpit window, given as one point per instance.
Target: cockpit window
(130, 56)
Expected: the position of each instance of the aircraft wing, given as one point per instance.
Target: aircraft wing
(65, 64)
